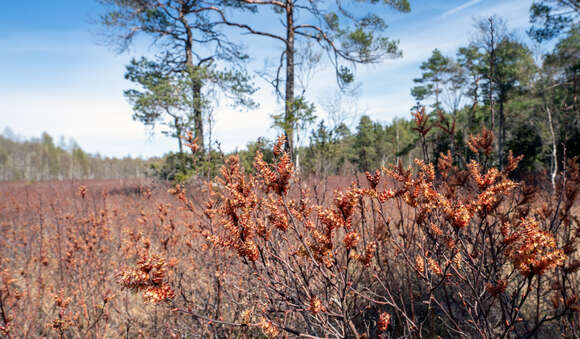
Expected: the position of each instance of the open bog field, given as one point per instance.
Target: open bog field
(62, 246)
(397, 252)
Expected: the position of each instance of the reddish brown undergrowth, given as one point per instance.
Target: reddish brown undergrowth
(425, 251)
(65, 248)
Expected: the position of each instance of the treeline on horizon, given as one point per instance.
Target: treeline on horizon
(41, 158)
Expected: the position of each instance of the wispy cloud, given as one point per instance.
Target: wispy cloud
(459, 8)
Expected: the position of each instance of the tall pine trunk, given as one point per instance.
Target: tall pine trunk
(289, 95)
(195, 87)
(471, 123)
(198, 111)
(178, 132)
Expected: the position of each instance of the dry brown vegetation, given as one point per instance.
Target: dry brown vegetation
(427, 251)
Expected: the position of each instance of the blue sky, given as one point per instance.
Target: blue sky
(56, 76)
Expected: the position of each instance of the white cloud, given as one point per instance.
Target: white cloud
(459, 8)
(234, 127)
(97, 124)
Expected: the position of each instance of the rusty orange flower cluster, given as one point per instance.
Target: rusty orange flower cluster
(421, 121)
(83, 191)
(532, 250)
(482, 142)
(191, 142)
(332, 219)
(497, 288)
(384, 321)
(149, 277)
(236, 212)
(351, 239)
(373, 179)
(65, 318)
(277, 178)
(268, 328)
(316, 305)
